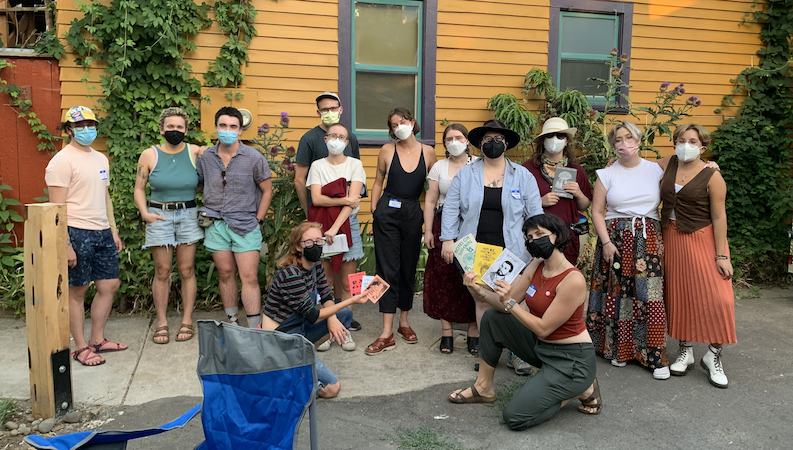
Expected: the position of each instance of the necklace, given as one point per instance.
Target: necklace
(542, 277)
(686, 175)
(494, 182)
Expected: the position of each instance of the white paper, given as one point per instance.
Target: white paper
(365, 281)
(506, 267)
(339, 246)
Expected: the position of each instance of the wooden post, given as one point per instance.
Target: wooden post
(47, 309)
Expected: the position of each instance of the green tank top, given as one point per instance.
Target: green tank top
(174, 177)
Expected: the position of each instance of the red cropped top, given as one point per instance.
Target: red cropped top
(544, 291)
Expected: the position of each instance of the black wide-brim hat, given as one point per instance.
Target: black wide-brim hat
(475, 136)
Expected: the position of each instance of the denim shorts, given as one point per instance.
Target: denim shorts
(356, 251)
(219, 237)
(179, 227)
(97, 256)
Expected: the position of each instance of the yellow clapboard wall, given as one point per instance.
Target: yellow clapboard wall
(485, 47)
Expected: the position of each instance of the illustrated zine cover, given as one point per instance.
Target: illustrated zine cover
(561, 176)
(507, 267)
(465, 252)
(485, 256)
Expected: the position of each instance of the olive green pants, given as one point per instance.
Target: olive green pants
(566, 370)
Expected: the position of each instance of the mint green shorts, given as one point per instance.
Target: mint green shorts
(218, 237)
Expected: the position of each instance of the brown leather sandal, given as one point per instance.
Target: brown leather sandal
(594, 401)
(161, 332)
(380, 345)
(185, 328)
(458, 397)
(408, 334)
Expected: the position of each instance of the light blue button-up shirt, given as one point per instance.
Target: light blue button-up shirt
(520, 199)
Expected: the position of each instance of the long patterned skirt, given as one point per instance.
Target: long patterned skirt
(626, 317)
(445, 297)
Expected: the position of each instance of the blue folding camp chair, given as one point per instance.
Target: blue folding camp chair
(258, 386)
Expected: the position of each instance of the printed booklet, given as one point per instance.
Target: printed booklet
(507, 267)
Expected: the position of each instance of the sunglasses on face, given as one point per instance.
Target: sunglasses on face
(558, 135)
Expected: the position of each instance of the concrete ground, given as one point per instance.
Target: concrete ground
(407, 388)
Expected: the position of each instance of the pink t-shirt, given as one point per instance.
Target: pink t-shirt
(86, 176)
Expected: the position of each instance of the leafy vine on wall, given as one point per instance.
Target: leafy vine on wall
(234, 18)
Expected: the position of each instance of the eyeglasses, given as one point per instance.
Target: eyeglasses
(331, 109)
(87, 127)
(310, 242)
(557, 135)
(498, 138)
(626, 138)
(340, 137)
(457, 138)
(223, 174)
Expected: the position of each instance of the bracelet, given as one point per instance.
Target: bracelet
(724, 257)
(606, 243)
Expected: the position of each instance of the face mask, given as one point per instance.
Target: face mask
(494, 149)
(174, 137)
(336, 146)
(313, 253)
(626, 149)
(456, 148)
(330, 117)
(85, 136)
(403, 132)
(687, 152)
(541, 247)
(227, 137)
(554, 145)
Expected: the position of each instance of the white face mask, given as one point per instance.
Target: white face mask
(456, 148)
(336, 146)
(687, 152)
(554, 145)
(403, 132)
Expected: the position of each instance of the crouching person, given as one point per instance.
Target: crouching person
(299, 300)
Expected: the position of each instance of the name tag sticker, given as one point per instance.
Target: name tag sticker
(103, 174)
(394, 203)
(319, 299)
(516, 194)
(531, 291)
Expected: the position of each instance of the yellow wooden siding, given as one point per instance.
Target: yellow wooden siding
(485, 47)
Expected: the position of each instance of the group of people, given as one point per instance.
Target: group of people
(654, 274)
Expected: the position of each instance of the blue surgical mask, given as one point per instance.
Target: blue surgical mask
(227, 137)
(85, 135)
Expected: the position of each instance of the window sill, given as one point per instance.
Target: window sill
(21, 53)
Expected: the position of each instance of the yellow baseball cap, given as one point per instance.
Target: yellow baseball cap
(78, 114)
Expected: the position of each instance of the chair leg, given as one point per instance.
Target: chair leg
(312, 420)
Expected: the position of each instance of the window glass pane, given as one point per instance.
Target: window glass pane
(574, 74)
(376, 94)
(590, 35)
(386, 34)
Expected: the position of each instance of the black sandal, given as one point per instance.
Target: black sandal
(447, 345)
(473, 345)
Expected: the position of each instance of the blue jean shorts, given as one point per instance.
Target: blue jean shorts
(356, 250)
(97, 256)
(179, 227)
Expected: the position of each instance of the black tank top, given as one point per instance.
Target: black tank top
(403, 184)
(491, 219)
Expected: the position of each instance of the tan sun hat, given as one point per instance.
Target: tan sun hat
(555, 125)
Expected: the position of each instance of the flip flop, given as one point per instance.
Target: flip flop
(97, 348)
(458, 397)
(190, 329)
(77, 353)
(594, 401)
(161, 332)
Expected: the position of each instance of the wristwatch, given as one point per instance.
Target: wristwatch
(510, 304)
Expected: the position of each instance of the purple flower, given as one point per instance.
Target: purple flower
(290, 167)
(615, 71)
(665, 85)
(681, 84)
(614, 51)
(264, 128)
(624, 57)
(682, 90)
(290, 152)
(274, 150)
(285, 163)
(697, 103)
(285, 120)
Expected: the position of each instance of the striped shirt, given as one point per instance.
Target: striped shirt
(292, 291)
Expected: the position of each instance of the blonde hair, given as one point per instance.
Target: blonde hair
(704, 136)
(173, 111)
(631, 127)
(295, 237)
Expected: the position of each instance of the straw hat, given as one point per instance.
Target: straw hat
(555, 125)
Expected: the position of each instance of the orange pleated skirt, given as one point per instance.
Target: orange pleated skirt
(700, 304)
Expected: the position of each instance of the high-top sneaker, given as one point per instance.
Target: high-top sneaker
(685, 360)
(712, 363)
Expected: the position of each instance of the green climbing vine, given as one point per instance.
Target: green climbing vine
(234, 18)
(46, 139)
(755, 151)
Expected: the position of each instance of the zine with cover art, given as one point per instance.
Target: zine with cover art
(375, 289)
(507, 267)
(485, 256)
(465, 252)
(561, 176)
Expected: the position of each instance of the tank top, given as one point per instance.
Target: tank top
(691, 204)
(544, 295)
(491, 218)
(403, 184)
(173, 177)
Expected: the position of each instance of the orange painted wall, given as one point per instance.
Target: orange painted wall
(21, 163)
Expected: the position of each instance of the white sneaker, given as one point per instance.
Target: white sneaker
(615, 362)
(685, 360)
(325, 346)
(712, 363)
(661, 373)
(349, 344)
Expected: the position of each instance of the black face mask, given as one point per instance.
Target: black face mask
(494, 149)
(174, 137)
(541, 247)
(313, 253)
